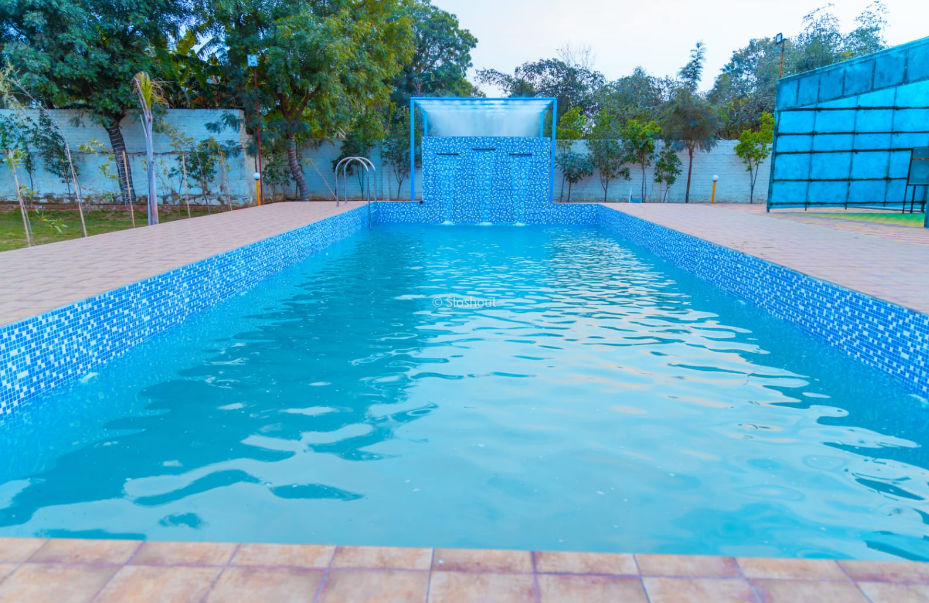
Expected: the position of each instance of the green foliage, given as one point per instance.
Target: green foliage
(396, 147)
(606, 149)
(569, 79)
(690, 121)
(692, 72)
(85, 52)
(637, 96)
(574, 167)
(667, 168)
(441, 57)
(754, 147)
(639, 141)
(322, 63)
(747, 85)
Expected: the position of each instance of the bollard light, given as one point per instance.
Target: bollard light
(713, 196)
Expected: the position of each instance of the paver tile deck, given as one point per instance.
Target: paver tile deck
(37, 279)
(269, 572)
(892, 270)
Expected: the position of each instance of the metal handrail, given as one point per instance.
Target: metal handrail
(370, 171)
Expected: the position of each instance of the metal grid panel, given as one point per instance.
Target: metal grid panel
(844, 133)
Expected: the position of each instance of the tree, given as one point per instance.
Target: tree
(575, 167)
(441, 58)
(667, 169)
(639, 139)
(635, 96)
(149, 94)
(692, 122)
(570, 129)
(396, 146)
(573, 83)
(84, 53)
(322, 62)
(606, 149)
(689, 119)
(754, 147)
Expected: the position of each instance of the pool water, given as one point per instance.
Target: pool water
(535, 387)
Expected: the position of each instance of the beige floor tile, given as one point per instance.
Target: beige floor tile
(266, 584)
(808, 591)
(584, 563)
(382, 557)
(591, 589)
(75, 550)
(138, 584)
(17, 550)
(482, 560)
(800, 569)
(6, 569)
(183, 553)
(54, 583)
(290, 555)
(352, 585)
(882, 592)
(688, 565)
(467, 587)
(889, 571)
(697, 590)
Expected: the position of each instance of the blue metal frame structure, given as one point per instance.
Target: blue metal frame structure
(844, 133)
(477, 101)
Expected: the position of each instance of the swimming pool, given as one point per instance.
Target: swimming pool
(535, 387)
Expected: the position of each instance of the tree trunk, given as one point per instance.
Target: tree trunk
(569, 191)
(118, 145)
(561, 194)
(690, 167)
(752, 177)
(296, 170)
(643, 183)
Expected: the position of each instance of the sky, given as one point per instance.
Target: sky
(656, 34)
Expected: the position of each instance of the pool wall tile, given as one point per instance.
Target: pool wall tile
(883, 335)
(44, 351)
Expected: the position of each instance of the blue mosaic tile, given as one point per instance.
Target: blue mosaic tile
(883, 335)
(44, 351)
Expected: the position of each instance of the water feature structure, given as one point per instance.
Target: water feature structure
(484, 160)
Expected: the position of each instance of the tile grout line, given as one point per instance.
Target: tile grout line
(322, 581)
(855, 582)
(535, 577)
(119, 568)
(429, 580)
(751, 585)
(220, 573)
(641, 578)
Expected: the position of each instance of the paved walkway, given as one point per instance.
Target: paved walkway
(125, 570)
(896, 271)
(38, 279)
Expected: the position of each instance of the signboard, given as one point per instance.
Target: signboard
(919, 167)
(252, 60)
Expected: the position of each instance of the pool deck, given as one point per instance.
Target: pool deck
(59, 570)
(39, 279)
(870, 260)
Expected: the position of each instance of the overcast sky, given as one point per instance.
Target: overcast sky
(656, 34)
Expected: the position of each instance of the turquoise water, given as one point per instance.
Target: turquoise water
(545, 388)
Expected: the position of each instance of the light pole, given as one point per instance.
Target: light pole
(253, 63)
(779, 40)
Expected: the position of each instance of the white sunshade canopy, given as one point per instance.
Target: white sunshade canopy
(485, 116)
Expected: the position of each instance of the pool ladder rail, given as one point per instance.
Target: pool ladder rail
(341, 169)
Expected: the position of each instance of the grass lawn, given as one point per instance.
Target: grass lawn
(99, 220)
(896, 218)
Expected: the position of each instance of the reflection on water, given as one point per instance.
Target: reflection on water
(604, 400)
